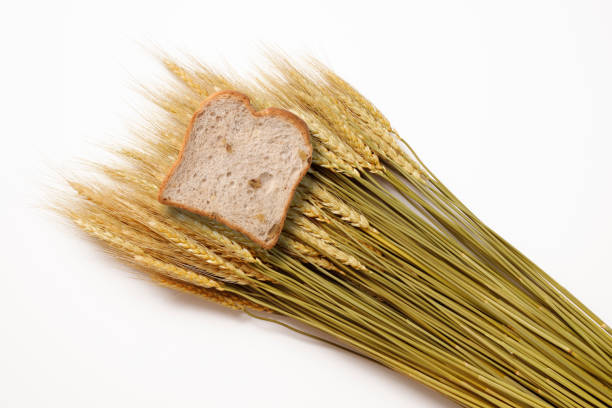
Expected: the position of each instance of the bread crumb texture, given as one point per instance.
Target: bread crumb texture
(240, 167)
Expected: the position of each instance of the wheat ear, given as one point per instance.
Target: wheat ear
(335, 205)
(137, 255)
(305, 230)
(305, 252)
(221, 297)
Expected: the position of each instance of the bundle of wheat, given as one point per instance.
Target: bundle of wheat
(375, 252)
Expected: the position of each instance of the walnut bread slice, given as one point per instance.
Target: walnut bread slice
(240, 167)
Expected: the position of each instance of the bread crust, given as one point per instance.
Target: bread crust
(281, 113)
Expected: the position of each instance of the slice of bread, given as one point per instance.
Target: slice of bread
(239, 166)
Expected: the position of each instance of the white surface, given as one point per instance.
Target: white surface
(508, 102)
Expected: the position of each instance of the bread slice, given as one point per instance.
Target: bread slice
(239, 166)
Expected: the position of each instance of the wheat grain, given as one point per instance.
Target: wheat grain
(308, 209)
(185, 77)
(335, 205)
(231, 247)
(303, 229)
(305, 252)
(176, 272)
(327, 159)
(221, 297)
(327, 249)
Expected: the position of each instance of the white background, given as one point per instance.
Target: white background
(510, 103)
